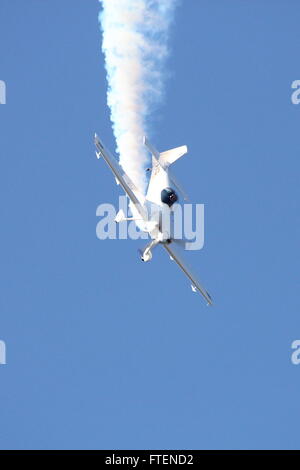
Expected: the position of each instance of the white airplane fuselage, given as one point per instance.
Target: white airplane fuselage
(154, 210)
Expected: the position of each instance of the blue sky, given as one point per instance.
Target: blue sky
(104, 351)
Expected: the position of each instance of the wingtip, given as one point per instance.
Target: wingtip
(209, 299)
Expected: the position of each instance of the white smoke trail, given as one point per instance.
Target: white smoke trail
(135, 47)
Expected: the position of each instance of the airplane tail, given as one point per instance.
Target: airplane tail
(169, 156)
(165, 159)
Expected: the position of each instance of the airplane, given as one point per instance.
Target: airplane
(161, 195)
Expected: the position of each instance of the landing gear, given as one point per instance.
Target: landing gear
(146, 254)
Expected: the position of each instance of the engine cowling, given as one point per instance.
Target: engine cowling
(168, 196)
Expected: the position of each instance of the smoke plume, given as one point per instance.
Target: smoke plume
(134, 44)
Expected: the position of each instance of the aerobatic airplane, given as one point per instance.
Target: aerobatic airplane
(150, 210)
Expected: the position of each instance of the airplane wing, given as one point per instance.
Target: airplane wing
(196, 286)
(121, 177)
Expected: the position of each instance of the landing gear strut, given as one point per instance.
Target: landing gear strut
(146, 254)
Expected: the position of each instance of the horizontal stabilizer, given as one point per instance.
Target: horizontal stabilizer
(170, 156)
(120, 216)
